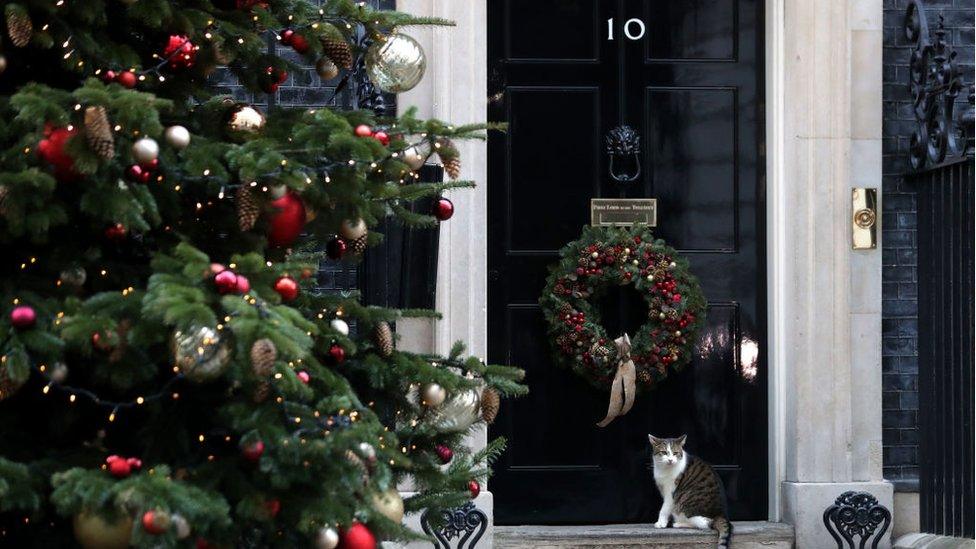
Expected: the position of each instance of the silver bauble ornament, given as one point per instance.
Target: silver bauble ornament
(180, 526)
(389, 504)
(340, 326)
(414, 157)
(367, 451)
(145, 150)
(326, 69)
(200, 353)
(352, 229)
(178, 137)
(74, 276)
(459, 412)
(395, 64)
(327, 538)
(433, 395)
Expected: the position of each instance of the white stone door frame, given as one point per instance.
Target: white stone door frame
(823, 137)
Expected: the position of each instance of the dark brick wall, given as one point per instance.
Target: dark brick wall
(899, 252)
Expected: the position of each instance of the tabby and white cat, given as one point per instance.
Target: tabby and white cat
(691, 489)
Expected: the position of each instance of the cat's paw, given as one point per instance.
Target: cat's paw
(661, 524)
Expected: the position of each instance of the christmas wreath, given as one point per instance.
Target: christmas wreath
(605, 256)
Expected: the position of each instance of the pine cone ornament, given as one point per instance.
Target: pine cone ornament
(261, 392)
(358, 246)
(98, 132)
(20, 28)
(248, 208)
(490, 403)
(263, 356)
(358, 462)
(338, 51)
(383, 339)
(450, 157)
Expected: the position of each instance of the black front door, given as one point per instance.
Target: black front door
(687, 76)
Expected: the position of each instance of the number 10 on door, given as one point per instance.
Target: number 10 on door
(633, 29)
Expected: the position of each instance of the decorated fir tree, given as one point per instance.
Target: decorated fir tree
(168, 376)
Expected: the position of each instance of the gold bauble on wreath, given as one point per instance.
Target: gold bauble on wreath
(93, 532)
(200, 353)
(395, 63)
(389, 504)
(244, 121)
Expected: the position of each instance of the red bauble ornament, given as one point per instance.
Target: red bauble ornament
(154, 522)
(243, 284)
(382, 137)
(287, 36)
(108, 76)
(151, 165)
(102, 342)
(288, 220)
(23, 317)
(254, 451)
(299, 43)
(51, 150)
(116, 233)
(118, 467)
(226, 281)
(138, 174)
(273, 507)
(287, 288)
(443, 209)
(336, 248)
(474, 488)
(304, 377)
(363, 130)
(444, 453)
(127, 79)
(180, 52)
(337, 353)
(135, 463)
(358, 536)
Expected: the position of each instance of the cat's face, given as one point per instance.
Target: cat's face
(667, 451)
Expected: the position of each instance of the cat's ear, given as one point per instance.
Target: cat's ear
(654, 440)
(681, 440)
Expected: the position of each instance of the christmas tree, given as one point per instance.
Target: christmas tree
(169, 377)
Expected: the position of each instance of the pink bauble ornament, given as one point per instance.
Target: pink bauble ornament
(226, 281)
(23, 317)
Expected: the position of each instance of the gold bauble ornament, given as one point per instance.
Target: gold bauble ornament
(396, 63)
(326, 69)
(200, 353)
(433, 395)
(352, 229)
(415, 157)
(458, 412)
(93, 532)
(245, 121)
(389, 504)
(178, 137)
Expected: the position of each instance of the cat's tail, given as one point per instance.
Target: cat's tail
(724, 528)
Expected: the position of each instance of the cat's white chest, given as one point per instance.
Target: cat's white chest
(666, 476)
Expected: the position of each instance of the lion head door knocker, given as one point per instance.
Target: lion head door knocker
(623, 148)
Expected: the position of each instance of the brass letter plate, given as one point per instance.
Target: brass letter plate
(623, 212)
(864, 222)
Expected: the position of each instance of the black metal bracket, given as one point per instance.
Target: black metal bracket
(466, 523)
(623, 141)
(935, 80)
(857, 515)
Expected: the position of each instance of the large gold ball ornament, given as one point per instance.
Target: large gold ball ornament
(353, 229)
(433, 395)
(389, 504)
(245, 121)
(396, 63)
(94, 532)
(326, 68)
(200, 353)
(458, 412)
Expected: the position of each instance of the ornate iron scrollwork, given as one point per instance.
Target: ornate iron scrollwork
(857, 515)
(623, 141)
(466, 523)
(935, 81)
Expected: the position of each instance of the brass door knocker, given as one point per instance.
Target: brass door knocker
(623, 141)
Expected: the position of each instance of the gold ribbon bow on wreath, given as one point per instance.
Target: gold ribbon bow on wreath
(624, 387)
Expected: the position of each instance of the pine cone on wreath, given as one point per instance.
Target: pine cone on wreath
(383, 339)
(248, 209)
(263, 357)
(338, 51)
(490, 403)
(98, 132)
(20, 28)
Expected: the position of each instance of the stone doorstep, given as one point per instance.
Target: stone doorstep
(745, 535)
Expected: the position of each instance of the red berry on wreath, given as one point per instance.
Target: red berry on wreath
(287, 288)
(474, 488)
(116, 233)
(336, 248)
(226, 281)
(363, 130)
(253, 451)
(23, 317)
(337, 353)
(127, 79)
(443, 209)
(444, 453)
